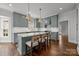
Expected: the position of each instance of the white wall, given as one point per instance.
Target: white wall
(78, 29)
(71, 17)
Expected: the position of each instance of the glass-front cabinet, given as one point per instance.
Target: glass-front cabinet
(4, 26)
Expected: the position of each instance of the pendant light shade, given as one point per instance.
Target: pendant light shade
(28, 17)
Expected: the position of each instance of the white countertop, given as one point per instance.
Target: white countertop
(23, 29)
(30, 34)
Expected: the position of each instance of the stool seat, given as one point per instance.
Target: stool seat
(28, 43)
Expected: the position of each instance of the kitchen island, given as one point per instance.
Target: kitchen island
(23, 38)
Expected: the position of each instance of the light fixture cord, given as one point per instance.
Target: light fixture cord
(28, 8)
(40, 13)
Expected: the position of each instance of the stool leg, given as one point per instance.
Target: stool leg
(30, 52)
(46, 44)
(26, 50)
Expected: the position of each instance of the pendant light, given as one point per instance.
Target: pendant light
(28, 17)
(40, 15)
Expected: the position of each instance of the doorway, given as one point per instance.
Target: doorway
(64, 33)
(64, 28)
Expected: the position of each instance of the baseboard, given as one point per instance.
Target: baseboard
(73, 42)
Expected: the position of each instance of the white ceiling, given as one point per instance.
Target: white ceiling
(48, 9)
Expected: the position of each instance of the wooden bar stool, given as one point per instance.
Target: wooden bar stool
(43, 41)
(31, 44)
(48, 38)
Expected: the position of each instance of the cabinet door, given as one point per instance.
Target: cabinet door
(19, 20)
(4, 28)
(54, 21)
(37, 23)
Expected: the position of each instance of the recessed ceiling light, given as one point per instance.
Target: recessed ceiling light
(60, 8)
(10, 5)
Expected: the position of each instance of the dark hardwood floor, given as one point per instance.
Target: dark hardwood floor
(57, 49)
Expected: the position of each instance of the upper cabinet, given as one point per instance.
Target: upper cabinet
(4, 27)
(38, 24)
(47, 22)
(19, 20)
(54, 21)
